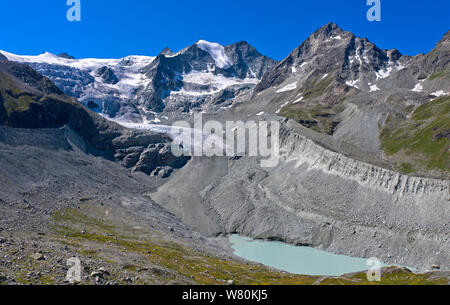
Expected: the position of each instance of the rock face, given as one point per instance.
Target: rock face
(155, 159)
(65, 55)
(107, 75)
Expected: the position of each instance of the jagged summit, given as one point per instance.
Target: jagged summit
(166, 51)
(205, 76)
(328, 30)
(335, 52)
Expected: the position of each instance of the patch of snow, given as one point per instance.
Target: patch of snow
(282, 106)
(217, 52)
(383, 73)
(181, 135)
(352, 83)
(289, 87)
(418, 88)
(293, 70)
(439, 93)
(374, 88)
(298, 100)
(260, 114)
(326, 74)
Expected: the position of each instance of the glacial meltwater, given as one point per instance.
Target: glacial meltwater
(294, 259)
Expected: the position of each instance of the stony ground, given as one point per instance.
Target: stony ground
(115, 253)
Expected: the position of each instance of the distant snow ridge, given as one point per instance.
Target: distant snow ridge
(80, 78)
(217, 52)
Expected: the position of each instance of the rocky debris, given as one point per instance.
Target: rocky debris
(230, 282)
(38, 257)
(103, 270)
(162, 172)
(394, 270)
(96, 274)
(305, 183)
(99, 276)
(436, 266)
(155, 159)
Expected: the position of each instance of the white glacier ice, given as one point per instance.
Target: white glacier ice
(217, 52)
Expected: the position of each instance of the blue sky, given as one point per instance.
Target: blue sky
(116, 28)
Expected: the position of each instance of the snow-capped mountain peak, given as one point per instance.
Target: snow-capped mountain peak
(205, 76)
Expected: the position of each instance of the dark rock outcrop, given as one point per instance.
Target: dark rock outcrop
(65, 55)
(107, 75)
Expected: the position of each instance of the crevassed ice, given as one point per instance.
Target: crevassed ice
(129, 76)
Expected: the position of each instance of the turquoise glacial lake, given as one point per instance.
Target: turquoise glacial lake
(297, 260)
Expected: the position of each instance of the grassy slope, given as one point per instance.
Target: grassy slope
(422, 141)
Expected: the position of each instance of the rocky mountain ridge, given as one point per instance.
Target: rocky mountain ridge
(202, 77)
(345, 86)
